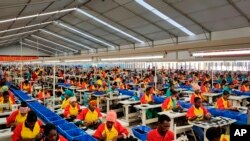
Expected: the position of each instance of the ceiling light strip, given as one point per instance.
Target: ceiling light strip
(37, 15)
(46, 40)
(238, 52)
(108, 25)
(84, 34)
(164, 17)
(29, 26)
(132, 58)
(63, 38)
(82, 60)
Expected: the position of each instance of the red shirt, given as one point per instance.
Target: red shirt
(154, 135)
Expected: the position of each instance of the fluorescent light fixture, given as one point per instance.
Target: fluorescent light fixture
(82, 60)
(236, 52)
(36, 62)
(133, 58)
(52, 61)
(37, 15)
(37, 48)
(164, 17)
(29, 26)
(54, 43)
(108, 25)
(42, 45)
(17, 34)
(83, 34)
(63, 38)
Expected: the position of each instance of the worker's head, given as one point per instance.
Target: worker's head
(174, 95)
(31, 119)
(111, 118)
(5, 88)
(26, 82)
(206, 84)
(23, 109)
(163, 124)
(114, 85)
(225, 95)
(213, 134)
(50, 132)
(73, 101)
(197, 102)
(92, 104)
(149, 90)
(68, 94)
(197, 91)
(6, 96)
(231, 85)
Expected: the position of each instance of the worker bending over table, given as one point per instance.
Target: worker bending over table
(28, 130)
(197, 93)
(198, 113)
(223, 102)
(90, 116)
(171, 102)
(18, 116)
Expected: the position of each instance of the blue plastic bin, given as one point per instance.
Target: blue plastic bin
(73, 134)
(59, 122)
(85, 138)
(141, 136)
(66, 127)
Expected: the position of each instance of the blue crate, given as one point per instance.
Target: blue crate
(85, 138)
(231, 114)
(53, 118)
(66, 127)
(59, 122)
(141, 136)
(72, 134)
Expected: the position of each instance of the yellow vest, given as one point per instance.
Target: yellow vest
(199, 112)
(20, 118)
(111, 134)
(65, 103)
(148, 98)
(91, 116)
(26, 133)
(73, 110)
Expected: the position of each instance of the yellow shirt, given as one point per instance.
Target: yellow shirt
(199, 112)
(148, 98)
(91, 116)
(99, 82)
(26, 133)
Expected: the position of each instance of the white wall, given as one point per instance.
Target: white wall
(16, 50)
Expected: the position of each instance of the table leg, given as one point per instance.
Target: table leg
(205, 138)
(107, 105)
(143, 117)
(172, 124)
(210, 99)
(98, 102)
(126, 113)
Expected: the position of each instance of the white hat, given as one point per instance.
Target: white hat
(72, 99)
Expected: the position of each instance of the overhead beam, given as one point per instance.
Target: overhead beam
(66, 39)
(50, 52)
(54, 43)
(28, 40)
(239, 10)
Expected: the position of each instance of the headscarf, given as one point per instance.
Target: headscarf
(111, 116)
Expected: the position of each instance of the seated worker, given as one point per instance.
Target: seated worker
(82, 84)
(170, 89)
(72, 110)
(118, 79)
(205, 88)
(197, 113)
(123, 85)
(244, 87)
(170, 102)
(67, 95)
(28, 130)
(99, 81)
(6, 100)
(92, 87)
(25, 86)
(113, 88)
(99, 88)
(229, 87)
(217, 86)
(147, 98)
(12, 97)
(43, 94)
(18, 116)
(223, 102)
(197, 93)
(111, 130)
(162, 132)
(50, 133)
(217, 134)
(90, 116)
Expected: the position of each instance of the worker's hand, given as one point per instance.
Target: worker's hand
(86, 124)
(114, 139)
(104, 136)
(14, 124)
(208, 116)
